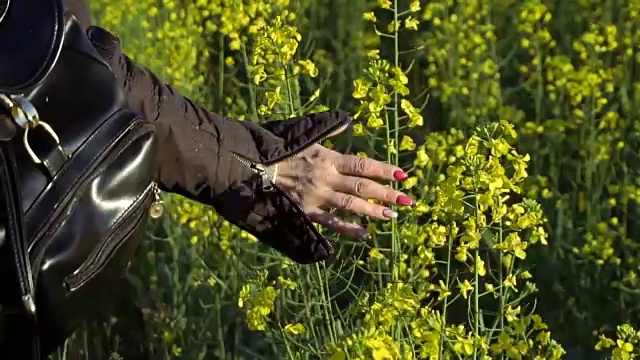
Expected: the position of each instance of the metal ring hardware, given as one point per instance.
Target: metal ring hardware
(26, 116)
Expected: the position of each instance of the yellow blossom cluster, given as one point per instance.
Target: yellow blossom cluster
(517, 123)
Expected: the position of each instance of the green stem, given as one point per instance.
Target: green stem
(326, 304)
(286, 344)
(292, 110)
(476, 283)
(446, 303)
(395, 241)
(396, 62)
(220, 333)
(252, 93)
(307, 301)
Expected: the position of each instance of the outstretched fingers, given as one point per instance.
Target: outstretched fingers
(366, 167)
(369, 189)
(357, 205)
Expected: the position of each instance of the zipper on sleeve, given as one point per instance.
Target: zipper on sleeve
(261, 170)
(268, 171)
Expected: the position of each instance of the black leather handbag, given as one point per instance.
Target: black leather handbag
(77, 170)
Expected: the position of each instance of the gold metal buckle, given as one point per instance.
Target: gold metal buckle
(26, 116)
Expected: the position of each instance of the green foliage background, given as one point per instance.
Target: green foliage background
(441, 88)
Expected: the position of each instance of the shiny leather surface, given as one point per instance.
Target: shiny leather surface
(70, 103)
(4, 7)
(83, 223)
(31, 33)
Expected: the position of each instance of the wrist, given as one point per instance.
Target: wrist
(272, 173)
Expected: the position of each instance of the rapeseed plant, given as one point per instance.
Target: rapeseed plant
(517, 121)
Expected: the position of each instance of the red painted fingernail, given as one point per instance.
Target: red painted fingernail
(404, 200)
(400, 175)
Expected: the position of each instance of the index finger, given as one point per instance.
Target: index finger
(370, 168)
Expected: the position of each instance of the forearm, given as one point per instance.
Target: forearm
(196, 144)
(199, 149)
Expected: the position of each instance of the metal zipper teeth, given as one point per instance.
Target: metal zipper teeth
(24, 274)
(341, 126)
(261, 169)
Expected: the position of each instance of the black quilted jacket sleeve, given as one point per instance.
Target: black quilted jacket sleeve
(197, 148)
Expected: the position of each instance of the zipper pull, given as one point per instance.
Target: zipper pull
(157, 207)
(261, 170)
(267, 174)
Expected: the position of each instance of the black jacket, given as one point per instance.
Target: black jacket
(197, 146)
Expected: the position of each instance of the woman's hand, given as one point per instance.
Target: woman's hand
(319, 178)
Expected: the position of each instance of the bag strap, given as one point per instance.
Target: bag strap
(35, 47)
(20, 317)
